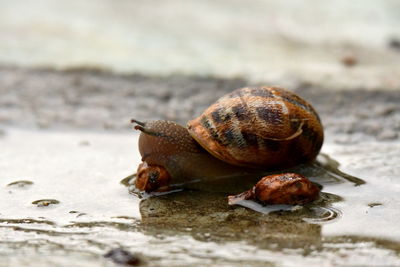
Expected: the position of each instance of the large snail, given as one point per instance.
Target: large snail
(248, 131)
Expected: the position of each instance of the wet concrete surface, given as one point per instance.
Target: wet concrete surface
(68, 133)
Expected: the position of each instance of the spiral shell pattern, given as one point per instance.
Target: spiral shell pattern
(260, 127)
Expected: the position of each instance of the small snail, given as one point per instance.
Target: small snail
(287, 188)
(246, 132)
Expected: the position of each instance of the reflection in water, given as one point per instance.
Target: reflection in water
(323, 172)
(274, 226)
(207, 217)
(317, 213)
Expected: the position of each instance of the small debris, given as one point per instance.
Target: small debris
(78, 214)
(45, 202)
(121, 256)
(349, 61)
(394, 43)
(84, 143)
(371, 205)
(20, 183)
(387, 135)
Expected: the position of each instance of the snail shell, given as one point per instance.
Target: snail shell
(260, 127)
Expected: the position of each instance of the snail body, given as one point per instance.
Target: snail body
(249, 131)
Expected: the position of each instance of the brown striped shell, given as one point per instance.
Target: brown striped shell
(260, 127)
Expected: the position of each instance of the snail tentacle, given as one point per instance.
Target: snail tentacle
(138, 122)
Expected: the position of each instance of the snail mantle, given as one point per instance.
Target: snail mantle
(249, 131)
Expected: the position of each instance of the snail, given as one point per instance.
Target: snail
(249, 131)
(287, 188)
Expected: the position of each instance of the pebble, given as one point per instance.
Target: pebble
(394, 44)
(349, 61)
(121, 256)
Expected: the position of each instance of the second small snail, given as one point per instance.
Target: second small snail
(250, 130)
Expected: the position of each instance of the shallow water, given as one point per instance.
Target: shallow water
(82, 171)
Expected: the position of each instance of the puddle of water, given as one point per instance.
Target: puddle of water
(377, 164)
(324, 172)
(95, 213)
(59, 169)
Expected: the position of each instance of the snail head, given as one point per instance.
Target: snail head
(160, 140)
(157, 143)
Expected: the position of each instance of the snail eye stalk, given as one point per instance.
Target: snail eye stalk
(138, 122)
(140, 125)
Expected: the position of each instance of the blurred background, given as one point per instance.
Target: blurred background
(259, 40)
